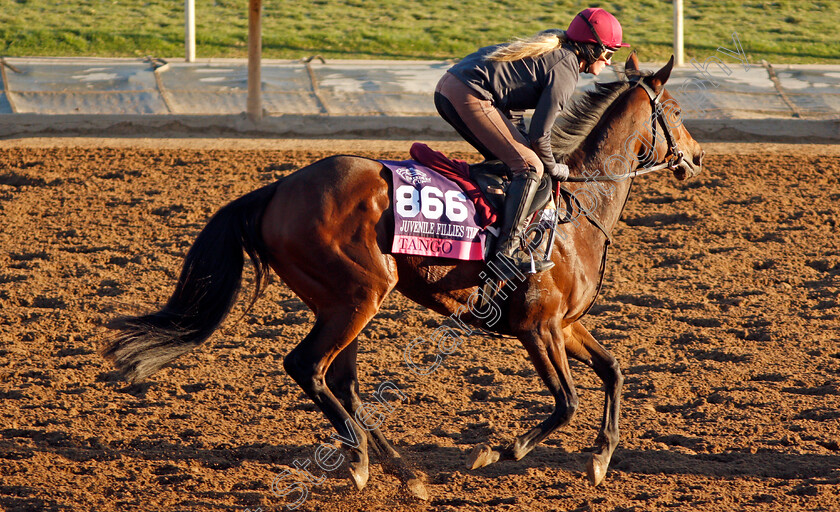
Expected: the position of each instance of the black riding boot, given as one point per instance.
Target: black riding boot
(519, 196)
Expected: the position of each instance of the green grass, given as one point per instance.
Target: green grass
(780, 32)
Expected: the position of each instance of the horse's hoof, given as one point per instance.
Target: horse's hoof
(596, 470)
(481, 456)
(359, 474)
(417, 489)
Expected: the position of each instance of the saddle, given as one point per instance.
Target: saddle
(492, 178)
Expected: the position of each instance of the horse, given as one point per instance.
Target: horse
(325, 230)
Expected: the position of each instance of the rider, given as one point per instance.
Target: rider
(483, 97)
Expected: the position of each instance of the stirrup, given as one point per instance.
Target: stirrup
(538, 266)
(506, 267)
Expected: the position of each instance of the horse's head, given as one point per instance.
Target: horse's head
(669, 141)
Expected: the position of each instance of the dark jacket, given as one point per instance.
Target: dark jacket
(543, 83)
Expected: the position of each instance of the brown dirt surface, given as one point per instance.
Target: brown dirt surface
(720, 303)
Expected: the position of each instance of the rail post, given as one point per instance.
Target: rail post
(254, 106)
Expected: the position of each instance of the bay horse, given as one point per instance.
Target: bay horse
(326, 230)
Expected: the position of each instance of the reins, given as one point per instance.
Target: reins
(633, 174)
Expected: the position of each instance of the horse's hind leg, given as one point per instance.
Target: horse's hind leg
(343, 380)
(583, 347)
(335, 328)
(549, 358)
(324, 232)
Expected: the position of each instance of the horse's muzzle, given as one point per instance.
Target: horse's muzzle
(690, 167)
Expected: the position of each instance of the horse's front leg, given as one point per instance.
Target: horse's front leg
(546, 350)
(583, 347)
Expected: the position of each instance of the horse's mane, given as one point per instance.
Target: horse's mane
(575, 123)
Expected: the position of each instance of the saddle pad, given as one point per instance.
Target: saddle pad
(432, 215)
(459, 172)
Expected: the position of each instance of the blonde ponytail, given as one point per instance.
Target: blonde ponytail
(534, 46)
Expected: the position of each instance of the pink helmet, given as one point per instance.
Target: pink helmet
(595, 25)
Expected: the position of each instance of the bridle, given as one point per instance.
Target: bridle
(675, 154)
(671, 164)
(659, 113)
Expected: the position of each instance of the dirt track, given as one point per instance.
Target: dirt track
(720, 303)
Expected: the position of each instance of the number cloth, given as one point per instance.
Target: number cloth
(432, 215)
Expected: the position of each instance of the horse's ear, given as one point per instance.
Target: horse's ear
(632, 64)
(661, 76)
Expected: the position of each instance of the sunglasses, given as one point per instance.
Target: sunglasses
(607, 55)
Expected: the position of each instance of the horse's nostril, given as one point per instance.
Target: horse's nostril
(698, 159)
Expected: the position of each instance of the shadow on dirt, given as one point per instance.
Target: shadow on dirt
(764, 464)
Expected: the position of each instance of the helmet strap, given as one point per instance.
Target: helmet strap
(603, 47)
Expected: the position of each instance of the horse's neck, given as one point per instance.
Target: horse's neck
(610, 149)
(606, 199)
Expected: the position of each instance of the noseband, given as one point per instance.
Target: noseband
(658, 119)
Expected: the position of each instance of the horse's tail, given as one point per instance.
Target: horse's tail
(205, 293)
